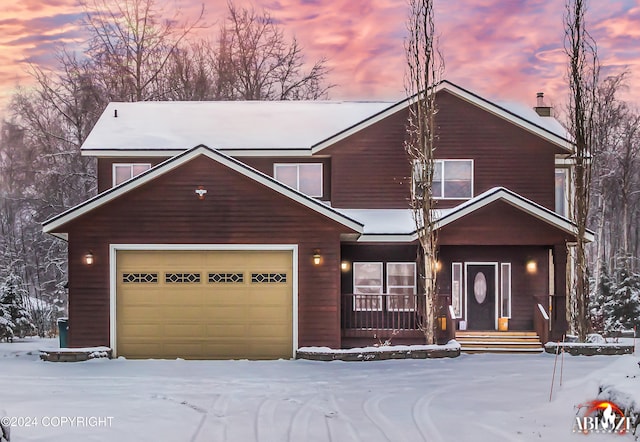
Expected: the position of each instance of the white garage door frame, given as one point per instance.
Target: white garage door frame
(114, 248)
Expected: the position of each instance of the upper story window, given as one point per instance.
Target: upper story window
(304, 177)
(562, 192)
(452, 179)
(125, 171)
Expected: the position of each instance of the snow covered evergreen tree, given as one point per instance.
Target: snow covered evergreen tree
(15, 319)
(601, 293)
(622, 309)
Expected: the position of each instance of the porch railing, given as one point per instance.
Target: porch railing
(381, 311)
(541, 323)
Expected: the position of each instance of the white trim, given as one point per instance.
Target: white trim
(504, 265)
(495, 285)
(388, 291)
(131, 166)
(173, 163)
(297, 187)
(462, 94)
(114, 248)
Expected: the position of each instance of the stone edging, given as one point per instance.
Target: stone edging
(590, 349)
(379, 355)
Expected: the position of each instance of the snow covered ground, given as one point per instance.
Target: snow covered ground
(471, 398)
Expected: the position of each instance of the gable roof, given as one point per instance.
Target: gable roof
(522, 116)
(398, 225)
(53, 224)
(235, 127)
(270, 128)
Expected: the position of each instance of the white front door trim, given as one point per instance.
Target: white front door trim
(496, 290)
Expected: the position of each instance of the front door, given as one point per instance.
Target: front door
(481, 296)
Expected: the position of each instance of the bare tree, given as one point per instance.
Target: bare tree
(583, 72)
(131, 44)
(425, 69)
(258, 63)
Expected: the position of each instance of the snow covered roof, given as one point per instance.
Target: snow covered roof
(254, 128)
(398, 225)
(240, 127)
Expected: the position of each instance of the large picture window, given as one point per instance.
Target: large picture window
(125, 171)
(367, 280)
(452, 179)
(304, 177)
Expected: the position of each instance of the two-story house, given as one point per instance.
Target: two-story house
(250, 229)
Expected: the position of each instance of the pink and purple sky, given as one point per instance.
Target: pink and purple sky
(500, 49)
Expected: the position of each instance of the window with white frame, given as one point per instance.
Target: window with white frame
(456, 288)
(562, 191)
(304, 177)
(452, 179)
(367, 280)
(505, 290)
(125, 171)
(401, 286)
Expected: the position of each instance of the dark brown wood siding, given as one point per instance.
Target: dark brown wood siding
(526, 289)
(105, 168)
(500, 224)
(237, 210)
(371, 168)
(265, 165)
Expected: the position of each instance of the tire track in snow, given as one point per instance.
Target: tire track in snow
(214, 421)
(299, 428)
(422, 418)
(339, 426)
(371, 408)
(265, 419)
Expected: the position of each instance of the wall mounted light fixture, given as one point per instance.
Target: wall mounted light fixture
(532, 266)
(344, 266)
(317, 257)
(88, 258)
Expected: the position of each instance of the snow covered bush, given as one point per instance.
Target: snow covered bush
(622, 308)
(15, 319)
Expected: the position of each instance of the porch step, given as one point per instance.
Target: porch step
(491, 341)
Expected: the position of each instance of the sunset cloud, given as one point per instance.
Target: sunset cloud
(503, 50)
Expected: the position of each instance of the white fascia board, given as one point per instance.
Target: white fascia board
(173, 163)
(139, 153)
(380, 238)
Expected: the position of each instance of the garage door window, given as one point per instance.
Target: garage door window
(226, 277)
(269, 277)
(139, 277)
(181, 277)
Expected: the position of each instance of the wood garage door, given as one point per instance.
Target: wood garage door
(204, 304)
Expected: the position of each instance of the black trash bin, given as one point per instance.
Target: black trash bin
(63, 331)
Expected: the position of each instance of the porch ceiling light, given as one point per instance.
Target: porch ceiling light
(316, 257)
(88, 258)
(532, 266)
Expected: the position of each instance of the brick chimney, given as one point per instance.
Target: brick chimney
(540, 108)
